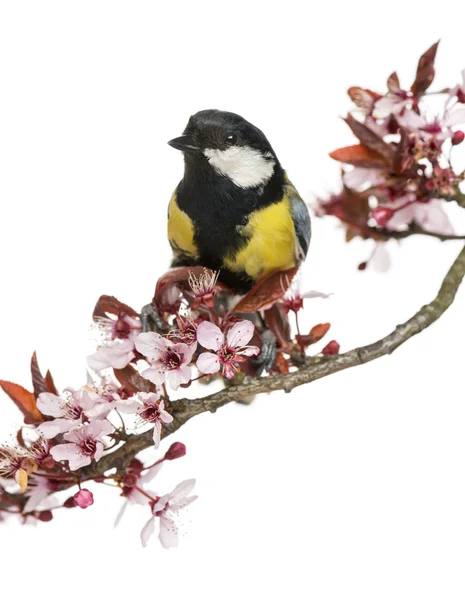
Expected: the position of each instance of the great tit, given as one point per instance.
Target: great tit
(234, 211)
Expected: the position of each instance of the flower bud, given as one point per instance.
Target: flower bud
(176, 450)
(382, 214)
(45, 516)
(457, 138)
(362, 266)
(331, 348)
(83, 499)
(69, 503)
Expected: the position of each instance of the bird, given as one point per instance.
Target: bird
(235, 210)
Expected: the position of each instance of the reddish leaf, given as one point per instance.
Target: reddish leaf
(277, 321)
(359, 156)
(130, 379)
(111, 305)
(393, 83)
(319, 331)
(266, 291)
(24, 400)
(370, 139)
(315, 335)
(363, 98)
(38, 381)
(425, 71)
(281, 363)
(50, 383)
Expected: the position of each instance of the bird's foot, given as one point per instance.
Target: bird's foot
(266, 359)
(151, 320)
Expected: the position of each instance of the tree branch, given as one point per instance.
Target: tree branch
(315, 368)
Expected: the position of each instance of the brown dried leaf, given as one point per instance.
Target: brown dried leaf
(24, 400)
(425, 71)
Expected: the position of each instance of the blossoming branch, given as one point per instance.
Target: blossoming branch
(397, 182)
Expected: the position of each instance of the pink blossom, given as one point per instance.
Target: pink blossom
(203, 287)
(117, 354)
(83, 498)
(39, 488)
(429, 215)
(293, 299)
(439, 128)
(167, 509)
(117, 349)
(134, 484)
(228, 350)
(86, 444)
(186, 331)
(393, 103)
(167, 360)
(67, 412)
(152, 410)
(108, 399)
(122, 328)
(360, 178)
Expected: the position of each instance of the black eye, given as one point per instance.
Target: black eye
(231, 139)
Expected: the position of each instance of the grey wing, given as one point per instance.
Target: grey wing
(302, 224)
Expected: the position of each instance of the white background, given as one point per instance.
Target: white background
(351, 487)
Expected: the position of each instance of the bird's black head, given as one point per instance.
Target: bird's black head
(230, 145)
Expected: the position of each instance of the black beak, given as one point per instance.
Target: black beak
(185, 143)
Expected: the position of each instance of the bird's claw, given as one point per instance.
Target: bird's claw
(266, 359)
(150, 319)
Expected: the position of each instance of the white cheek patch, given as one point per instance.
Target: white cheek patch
(244, 166)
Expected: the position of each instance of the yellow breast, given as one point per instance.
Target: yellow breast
(272, 245)
(180, 230)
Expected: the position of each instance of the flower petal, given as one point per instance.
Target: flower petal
(178, 376)
(210, 336)
(150, 343)
(117, 355)
(182, 490)
(456, 117)
(50, 429)
(154, 375)
(147, 531)
(208, 363)
(168, 532)
(240, 334)
(50, 404)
